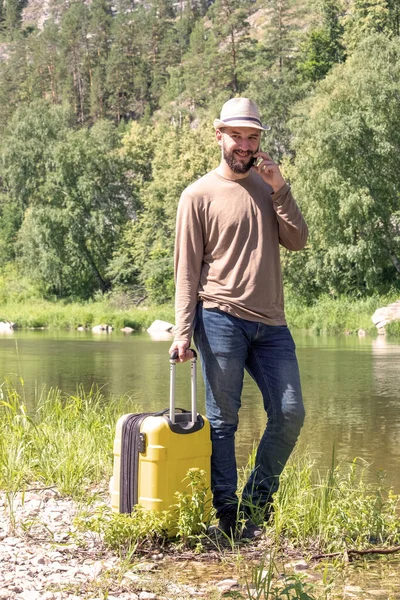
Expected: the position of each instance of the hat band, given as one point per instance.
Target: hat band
(252, 119)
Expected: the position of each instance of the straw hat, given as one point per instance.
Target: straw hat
(240, 112)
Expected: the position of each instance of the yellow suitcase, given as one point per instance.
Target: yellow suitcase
(153, 453)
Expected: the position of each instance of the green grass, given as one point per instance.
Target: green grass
(60, 315)
(68, 443)
(325, 315)
(338, 315)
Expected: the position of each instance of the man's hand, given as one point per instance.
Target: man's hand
(184, 353)
(269, 170)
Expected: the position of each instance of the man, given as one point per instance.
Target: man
(229, 293)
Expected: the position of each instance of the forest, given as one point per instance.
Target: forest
(106, 113)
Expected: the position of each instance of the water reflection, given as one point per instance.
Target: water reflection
(350, 386)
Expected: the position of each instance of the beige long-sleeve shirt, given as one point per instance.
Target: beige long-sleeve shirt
(227, 248)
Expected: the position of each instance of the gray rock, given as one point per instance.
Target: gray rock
(226, 585)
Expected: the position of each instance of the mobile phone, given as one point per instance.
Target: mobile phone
(255, 160)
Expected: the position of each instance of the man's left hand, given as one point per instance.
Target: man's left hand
(269, 170)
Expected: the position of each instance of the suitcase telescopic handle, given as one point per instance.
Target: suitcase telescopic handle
(193, 378)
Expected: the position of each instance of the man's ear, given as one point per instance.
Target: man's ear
(218, 135)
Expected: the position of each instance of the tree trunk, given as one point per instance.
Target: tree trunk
(395, 260)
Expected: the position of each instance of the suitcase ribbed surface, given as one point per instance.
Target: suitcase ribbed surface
(130, 445)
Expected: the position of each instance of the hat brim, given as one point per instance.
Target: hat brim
(243, 122)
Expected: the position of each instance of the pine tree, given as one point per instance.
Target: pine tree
(363, 18)
(127, 68)
(323, 47)
(231, 30)
(99, 48)
(74, 31)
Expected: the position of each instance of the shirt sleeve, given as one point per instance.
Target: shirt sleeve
(189, 251)
(293, 230)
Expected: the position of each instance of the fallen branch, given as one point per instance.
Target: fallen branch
(350, 553)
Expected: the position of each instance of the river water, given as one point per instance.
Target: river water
(351, 387)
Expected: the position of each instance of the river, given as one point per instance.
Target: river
(351, 387)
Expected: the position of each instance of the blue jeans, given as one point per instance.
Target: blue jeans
(228, 345)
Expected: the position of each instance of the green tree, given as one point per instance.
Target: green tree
(346, 171)
(127, 69)
(99, 48)
(68, 235)
(323, 47)
(74, 44)
(231, 29)
(180, 156)
(364, 18)
(48, 67)
(275, 84)
(27, 148)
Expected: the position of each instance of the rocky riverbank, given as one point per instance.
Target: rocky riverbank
(43, 556)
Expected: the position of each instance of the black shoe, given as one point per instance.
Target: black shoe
(228, 523)
(251, 531)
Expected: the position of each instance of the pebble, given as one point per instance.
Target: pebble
(226, 585)
(147, 596)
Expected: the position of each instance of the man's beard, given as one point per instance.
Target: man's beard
(236, 165)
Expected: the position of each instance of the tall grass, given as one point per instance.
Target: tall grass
(336, 511)
(334, 315)
(68, 442)
(60, 315)
(326, 314)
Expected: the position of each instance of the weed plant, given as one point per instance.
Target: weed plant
(67, 442)
(336, 315)
(335, 512)
(62, 315)
(267, 583)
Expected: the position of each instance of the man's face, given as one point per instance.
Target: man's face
(238, 147)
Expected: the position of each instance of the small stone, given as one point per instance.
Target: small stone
(227, 584)
(11, 541)
(39, 560)
(301, 565)
(30, 595)
(145, 567)
(132, 577)
(352, 588)
(147, 596)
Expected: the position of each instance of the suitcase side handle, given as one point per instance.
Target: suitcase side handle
(193, 377)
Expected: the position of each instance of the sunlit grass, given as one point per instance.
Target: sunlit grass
(60, 315)
(67, 442)
(325, 314)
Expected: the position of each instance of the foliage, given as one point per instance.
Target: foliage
(346, 139)
(323, 46)
(337, 511)
(42, 447)
(180, 156)
(62, 315)
(127, 532)
(266, 583)
(193, 508)
(106, 112)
